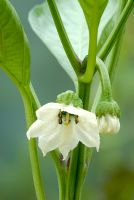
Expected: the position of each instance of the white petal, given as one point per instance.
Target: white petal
(39, 128)
(36, 129)
(78, 111)
(89, 119)
(102, 123)
(117, 127)
(88, 134)
(84, 114)
(50, 142)
(108, 124)
(48, 111)
(68, 139)
(71, 109)
(115, 124)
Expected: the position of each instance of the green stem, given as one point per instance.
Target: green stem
(61, 174)
(83, 157)
(116, 31)
(71, 174)
(74, 60)
(85, 153)
(91, 60)
(31, 104)
(112, 62)
(78, 163)
(30, 109)
(105, 80)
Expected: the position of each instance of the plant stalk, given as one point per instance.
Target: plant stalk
(74, 60)
(30, 109)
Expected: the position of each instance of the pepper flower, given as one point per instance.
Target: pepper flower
(63, 126)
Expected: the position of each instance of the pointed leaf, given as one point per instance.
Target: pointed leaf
(14, 50)
(75, 24)
(108, 20)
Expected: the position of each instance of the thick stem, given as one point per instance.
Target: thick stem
(83, 158)
(84, 154)
(31, 104)
(78, 163)
(74, 60)
(30, 108)
(116, 31)
(71, 174)
(112, 62)
(61, 174)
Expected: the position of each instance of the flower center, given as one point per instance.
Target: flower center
(65, 118)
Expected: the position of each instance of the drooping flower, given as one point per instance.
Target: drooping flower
(63, 126)
(108, 113)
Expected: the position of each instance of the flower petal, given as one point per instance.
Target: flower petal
(39, 128)
(102, 125)
(88, 119)
(88, 135)
(36, 129)
(67, 148)
(68, 139)
(117, 127)
(108, 124)
(70, 109)
(49, 111)
(84, 114)
(50, 142)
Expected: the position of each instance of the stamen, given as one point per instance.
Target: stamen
(60, 120)
(64, 117)
(76, 119)
(60, 117)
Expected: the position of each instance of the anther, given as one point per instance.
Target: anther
(60, 120)
(60, 117)
(76, 119)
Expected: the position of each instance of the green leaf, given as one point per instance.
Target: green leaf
(75, 24)
(14, 50)
(109, 18)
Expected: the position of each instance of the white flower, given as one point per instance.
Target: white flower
(108, 124)
(63, 126)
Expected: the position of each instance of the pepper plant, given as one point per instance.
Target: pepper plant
(85, 37)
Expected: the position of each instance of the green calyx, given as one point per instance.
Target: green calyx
(69, 97)
(108, 107)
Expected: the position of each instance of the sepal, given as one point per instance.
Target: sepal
(108, 107)
(69, 97)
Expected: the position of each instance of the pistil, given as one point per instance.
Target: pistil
(67, 119)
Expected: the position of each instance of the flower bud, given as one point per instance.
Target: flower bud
(108, 113)
(69, 97)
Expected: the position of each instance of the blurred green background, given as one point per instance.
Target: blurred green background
(111, 174)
